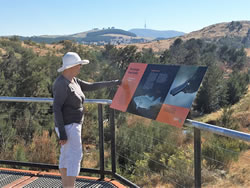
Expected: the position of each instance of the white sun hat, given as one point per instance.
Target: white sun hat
(71, 59)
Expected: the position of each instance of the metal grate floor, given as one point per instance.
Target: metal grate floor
(7, 177)
(54, 181)
(12, 178)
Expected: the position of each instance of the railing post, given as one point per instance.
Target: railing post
(101, 140)
(197, 158)
(112, 131)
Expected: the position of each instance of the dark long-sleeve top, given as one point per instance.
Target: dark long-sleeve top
(69, 98)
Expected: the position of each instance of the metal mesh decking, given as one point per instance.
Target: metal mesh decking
(7, 177)
(12, 178)
(55, 181)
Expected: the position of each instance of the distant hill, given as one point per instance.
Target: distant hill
(226, 29)
(150, 33)
(110, 35)
(95, 36)
(235, 33)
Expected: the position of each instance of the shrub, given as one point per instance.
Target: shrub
(43, 148)
(181, 168)
(220, 151)
(20, 152)
(227, 120)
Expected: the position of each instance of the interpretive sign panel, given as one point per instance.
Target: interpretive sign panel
(164, 93)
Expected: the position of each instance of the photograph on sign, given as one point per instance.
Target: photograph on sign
(181, 95)
(152, 90)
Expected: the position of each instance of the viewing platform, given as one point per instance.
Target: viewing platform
(15, 178)
(108, 172)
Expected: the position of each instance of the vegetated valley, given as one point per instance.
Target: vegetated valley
(149, 153)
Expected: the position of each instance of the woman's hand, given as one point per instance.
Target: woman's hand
(62, 142)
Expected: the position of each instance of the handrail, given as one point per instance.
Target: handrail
(218, 130)
(190, 123)
(49, 100)
(197, 126)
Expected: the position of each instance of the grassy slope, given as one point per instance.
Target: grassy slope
(241, 113)
(238, 174)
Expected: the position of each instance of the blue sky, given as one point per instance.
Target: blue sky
(59, 17)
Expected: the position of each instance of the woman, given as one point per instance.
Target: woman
(69, 113)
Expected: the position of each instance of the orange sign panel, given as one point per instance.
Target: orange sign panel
(172, 115)
(129, 84)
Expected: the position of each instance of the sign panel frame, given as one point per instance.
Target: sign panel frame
(163, 93)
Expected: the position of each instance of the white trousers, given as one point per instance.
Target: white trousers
(71, 152)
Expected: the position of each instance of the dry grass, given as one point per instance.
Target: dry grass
(247, 51)
(210, 117)
(157, 46)
(91, 156)
(241, 113)
(2, 51)
(220, 30)
(154, 181)
(43, 50)
(237, 176)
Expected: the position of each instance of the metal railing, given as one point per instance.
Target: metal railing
(197, 126)
(102, 172)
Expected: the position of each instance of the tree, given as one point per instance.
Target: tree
(237, 86)
(118, 61)
(233, 57)
(148, 56)
(208, 98)
(175, 54)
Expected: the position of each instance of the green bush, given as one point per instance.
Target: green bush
(180, 167)
(227, 120)
(218, 152)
